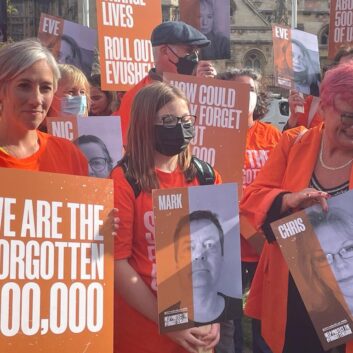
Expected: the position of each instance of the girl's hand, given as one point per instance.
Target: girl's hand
(205, 337)
(190, 339)
(212, 337)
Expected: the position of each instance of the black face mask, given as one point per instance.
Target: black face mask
(172, 141)
(185, 64)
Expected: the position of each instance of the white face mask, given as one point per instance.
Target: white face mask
(74, 105)
(252, 102)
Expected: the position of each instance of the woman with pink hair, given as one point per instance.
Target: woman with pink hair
(305, 168)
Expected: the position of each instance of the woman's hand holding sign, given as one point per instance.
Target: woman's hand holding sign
(304, 198)
(111, 226)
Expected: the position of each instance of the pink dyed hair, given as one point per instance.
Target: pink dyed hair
(337, 82)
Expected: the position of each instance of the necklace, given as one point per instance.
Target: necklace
(326, 166)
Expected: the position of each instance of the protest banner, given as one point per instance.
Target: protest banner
(98, 137)
(296, 59)
(212, 18)
(341, 26)
(221, 108)
(197, 255)
(70, 42)
(56, 263)
(318, 248)
(124, 34)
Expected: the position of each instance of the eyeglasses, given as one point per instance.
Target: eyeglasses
(170, 121)
(98, 164)
(193, 51)
(322, 259)
(347, 118)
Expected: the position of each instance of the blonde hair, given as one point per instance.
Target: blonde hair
(140, 149)
(73, 74)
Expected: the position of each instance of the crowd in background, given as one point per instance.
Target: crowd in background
(309, 163)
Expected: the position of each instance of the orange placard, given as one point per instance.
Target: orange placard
(56, 263)
(318, 248)
(50, 32)
(221, 108)
(124, 32)
(190, 12)
(282, 55)
(65, 127)
(296, 59)
(341, 26)
(254, 237)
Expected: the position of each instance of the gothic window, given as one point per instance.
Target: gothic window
(323, 35)
(254, 59)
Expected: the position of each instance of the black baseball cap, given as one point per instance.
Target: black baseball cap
(176, 32)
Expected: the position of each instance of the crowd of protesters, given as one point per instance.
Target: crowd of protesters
(310, 162)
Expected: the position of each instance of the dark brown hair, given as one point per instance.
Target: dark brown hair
(262, 98)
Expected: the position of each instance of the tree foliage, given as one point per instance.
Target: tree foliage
(11, 9)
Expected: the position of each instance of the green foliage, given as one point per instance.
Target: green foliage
(11, 9)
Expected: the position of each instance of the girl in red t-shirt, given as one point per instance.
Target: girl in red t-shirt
(157, 156)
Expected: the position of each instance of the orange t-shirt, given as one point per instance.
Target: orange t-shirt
(55, 154)
(126, 103)
(261, 138)
(135, 241)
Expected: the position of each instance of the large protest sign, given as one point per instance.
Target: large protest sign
(56, 263)
(98, 137)
(70, 42)
(341, 26)
(318, 248)
(197, 255)
(296, 59)
(124, 32)
(212, 18)
(221, 108)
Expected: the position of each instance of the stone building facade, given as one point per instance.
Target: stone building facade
(24, 22)
(251, 40)
(251, 31)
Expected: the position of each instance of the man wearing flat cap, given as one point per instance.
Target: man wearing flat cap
(175, 49)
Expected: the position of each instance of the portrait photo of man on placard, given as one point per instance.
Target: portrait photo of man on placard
(332, 256)
(204, 244)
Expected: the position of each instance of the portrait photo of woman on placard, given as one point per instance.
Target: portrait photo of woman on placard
(100, 163)
(305, 62)
(213, 13)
